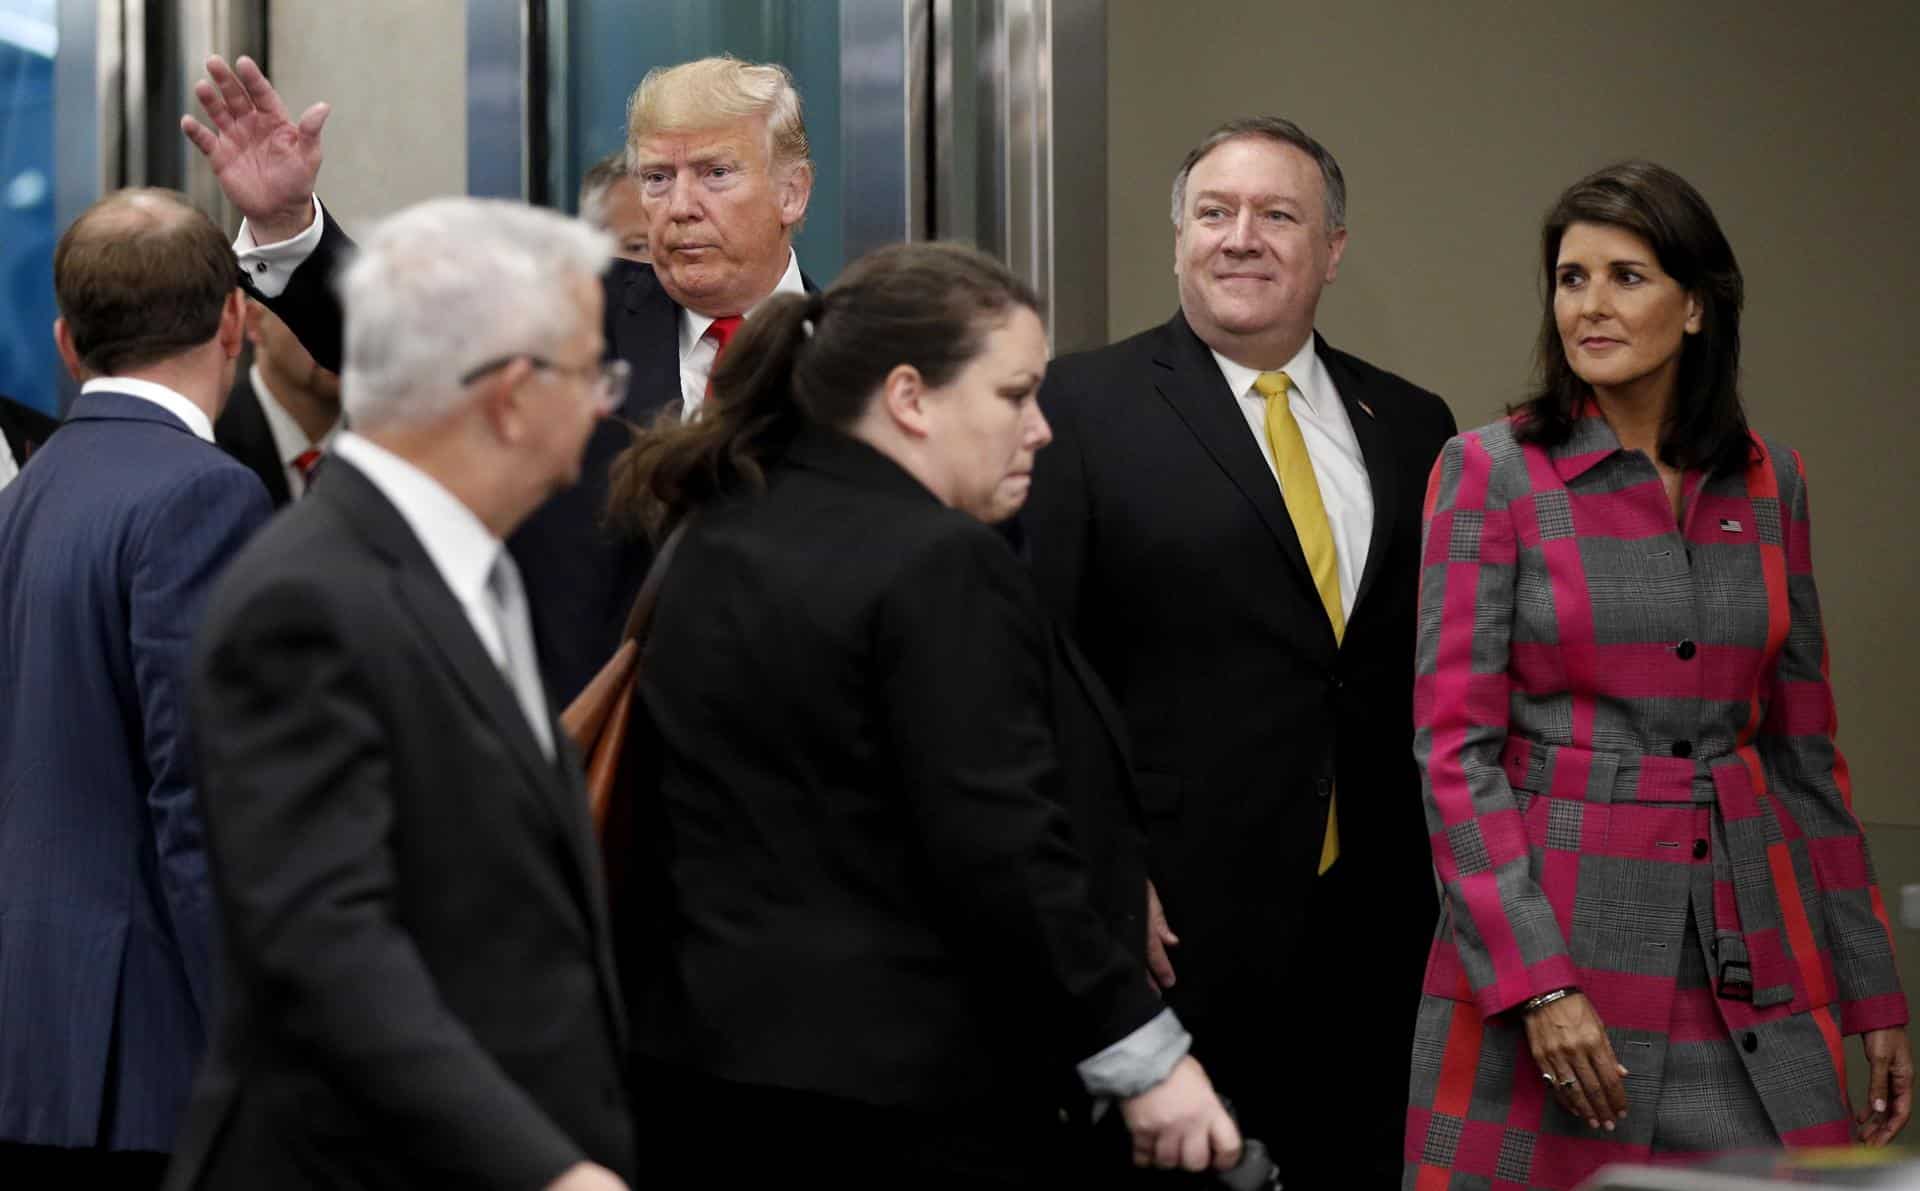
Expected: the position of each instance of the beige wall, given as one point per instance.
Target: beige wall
(1458, 124)
(395, 73)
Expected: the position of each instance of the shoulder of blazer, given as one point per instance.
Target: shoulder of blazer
(1118, 370)
(1351, 371)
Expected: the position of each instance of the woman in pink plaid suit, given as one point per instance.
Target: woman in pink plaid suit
(1660, 916)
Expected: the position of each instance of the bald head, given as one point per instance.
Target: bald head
(140, 277)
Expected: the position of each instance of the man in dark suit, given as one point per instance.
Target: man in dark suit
(23, 430)
(419, 988)
(109, 545)
(1241, 570)
(720, 154)
(282, 410)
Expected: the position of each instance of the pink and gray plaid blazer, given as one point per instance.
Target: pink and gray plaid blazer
(1582, 664)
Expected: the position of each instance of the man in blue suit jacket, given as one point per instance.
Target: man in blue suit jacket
(109, 544)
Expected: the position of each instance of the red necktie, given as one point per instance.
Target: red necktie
(306, 463)
(721, 332)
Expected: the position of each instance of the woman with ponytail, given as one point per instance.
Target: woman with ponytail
(879, 943)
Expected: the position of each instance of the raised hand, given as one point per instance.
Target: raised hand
(265, 163)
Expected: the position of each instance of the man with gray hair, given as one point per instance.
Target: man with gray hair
(419, 988)
(720, 154)
(1256, 494)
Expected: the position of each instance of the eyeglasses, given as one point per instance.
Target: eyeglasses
(609, 378)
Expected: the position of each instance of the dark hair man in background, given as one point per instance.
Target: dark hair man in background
(610, 201)
(109, 545)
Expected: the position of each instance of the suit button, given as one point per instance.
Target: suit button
(1683, 748)
(1686, 650)
(1750, 1042)
(1699, 849)
(1323, 786)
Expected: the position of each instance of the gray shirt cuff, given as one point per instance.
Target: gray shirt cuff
(1139, 1061)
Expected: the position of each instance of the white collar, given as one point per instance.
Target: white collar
(1303, 370)
(693, 327)
(462, 549)
(289, 440)
(195, 418)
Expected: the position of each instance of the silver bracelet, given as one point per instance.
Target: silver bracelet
(1545, 999)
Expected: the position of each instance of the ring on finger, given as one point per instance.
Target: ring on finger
(1568, 1083)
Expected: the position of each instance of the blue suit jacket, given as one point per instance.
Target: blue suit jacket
(109, 543)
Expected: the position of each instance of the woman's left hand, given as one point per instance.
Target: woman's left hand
(1889, 1087)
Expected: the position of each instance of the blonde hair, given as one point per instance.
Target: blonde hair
(712, 91)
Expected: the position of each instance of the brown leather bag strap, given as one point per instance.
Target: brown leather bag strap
(640, 619)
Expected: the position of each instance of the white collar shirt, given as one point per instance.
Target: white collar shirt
(697, 352)
(1331, 445)
(462, 549)
(195, 418)
(289, 440)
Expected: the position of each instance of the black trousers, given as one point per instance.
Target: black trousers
(30, 1168)
(1316, 1058)
(701, 1132)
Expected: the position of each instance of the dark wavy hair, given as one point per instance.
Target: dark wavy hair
(1708, 427)
(818, 358)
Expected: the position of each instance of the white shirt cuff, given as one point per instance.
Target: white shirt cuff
(270, 266)
(1138, 1062)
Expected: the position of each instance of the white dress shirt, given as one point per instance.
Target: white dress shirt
(146, 390)
(8, 468)
(289, 441)
(462, 549)
(1337, 463)
(271, 266)
(697, 352)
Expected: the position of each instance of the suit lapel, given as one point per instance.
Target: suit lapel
(1376, 449)
(643, 328)
(1190, 381)
(420, 591)
(242, 429)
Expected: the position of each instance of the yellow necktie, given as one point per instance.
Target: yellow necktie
(1301, 491)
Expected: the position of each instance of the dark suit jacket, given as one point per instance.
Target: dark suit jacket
(580, 576)
(242, 429)
(419, 987)
(109, 546)
(871, 893)
(1160, 538)
(24, 429)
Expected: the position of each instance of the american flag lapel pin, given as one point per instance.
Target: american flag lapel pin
(1729, 525)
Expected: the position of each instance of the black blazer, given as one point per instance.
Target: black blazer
(419, 986)
(242, 429)
(24, 428)
(1160, 539)
(580, 576)
(873, 892)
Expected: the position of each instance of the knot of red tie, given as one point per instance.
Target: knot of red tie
(722, 331)
(305, 463)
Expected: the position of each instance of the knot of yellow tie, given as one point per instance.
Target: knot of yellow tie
(1272, 384)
